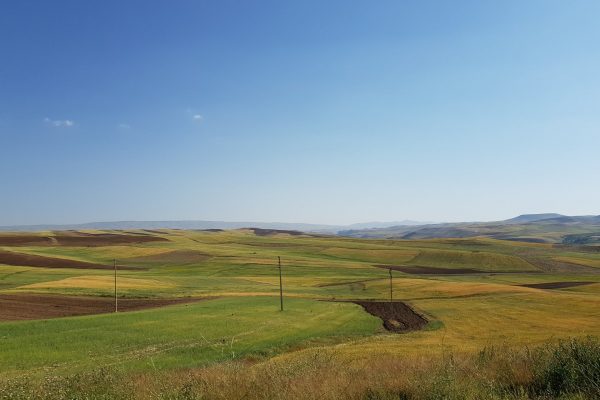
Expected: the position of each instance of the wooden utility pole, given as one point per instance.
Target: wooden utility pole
(116, 301)
(391, 287)
(280, 285)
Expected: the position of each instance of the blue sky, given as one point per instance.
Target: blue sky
(304, 111)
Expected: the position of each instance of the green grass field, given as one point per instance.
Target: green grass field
(242, 321)
(178, 336)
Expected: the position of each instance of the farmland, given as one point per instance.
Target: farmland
(205, 301)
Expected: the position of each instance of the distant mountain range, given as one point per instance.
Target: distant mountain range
(539, 228)
(320, 228)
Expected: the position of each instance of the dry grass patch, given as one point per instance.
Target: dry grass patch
(172, 256)
(414, 288)
(100, 282)
(372, 255)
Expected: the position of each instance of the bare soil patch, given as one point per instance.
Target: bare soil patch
(15, 307)
(523, 239)
(24, 240)
(30, 260)
(556, 285)
(134, 233)
(106, 239)
(78, 239)
(397, 316)
(270, 232)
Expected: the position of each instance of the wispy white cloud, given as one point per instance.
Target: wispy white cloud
(124, 126)
(60, 123)
(194, 114)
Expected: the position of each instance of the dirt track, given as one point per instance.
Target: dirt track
(417, 270)
(78, 239)
(14, 307)
(30, 260)
(396, 316)
(556, 285)
(362, 281)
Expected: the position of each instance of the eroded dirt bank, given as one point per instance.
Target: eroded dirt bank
(396, 316)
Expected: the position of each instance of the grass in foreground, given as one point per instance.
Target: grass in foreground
(569, 369)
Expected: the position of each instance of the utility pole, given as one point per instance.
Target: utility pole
(280, 285)
(391, 287)
(116, 303)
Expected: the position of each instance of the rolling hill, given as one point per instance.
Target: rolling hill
(535, 228)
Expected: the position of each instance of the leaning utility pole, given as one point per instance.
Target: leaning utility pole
(116, 303)
(391, 287)
(280, 285)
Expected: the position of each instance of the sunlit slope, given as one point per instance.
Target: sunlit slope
(189, 263)
(472, 292)
(482, 261)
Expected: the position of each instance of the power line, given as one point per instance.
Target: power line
(280, 285)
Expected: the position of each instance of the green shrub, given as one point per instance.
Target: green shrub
(570, 367)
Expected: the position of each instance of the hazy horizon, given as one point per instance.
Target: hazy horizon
(407, 221)
(298, 112)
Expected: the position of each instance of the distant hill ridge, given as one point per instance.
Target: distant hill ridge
(539, 228)
(532, 217)
(201, 224)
